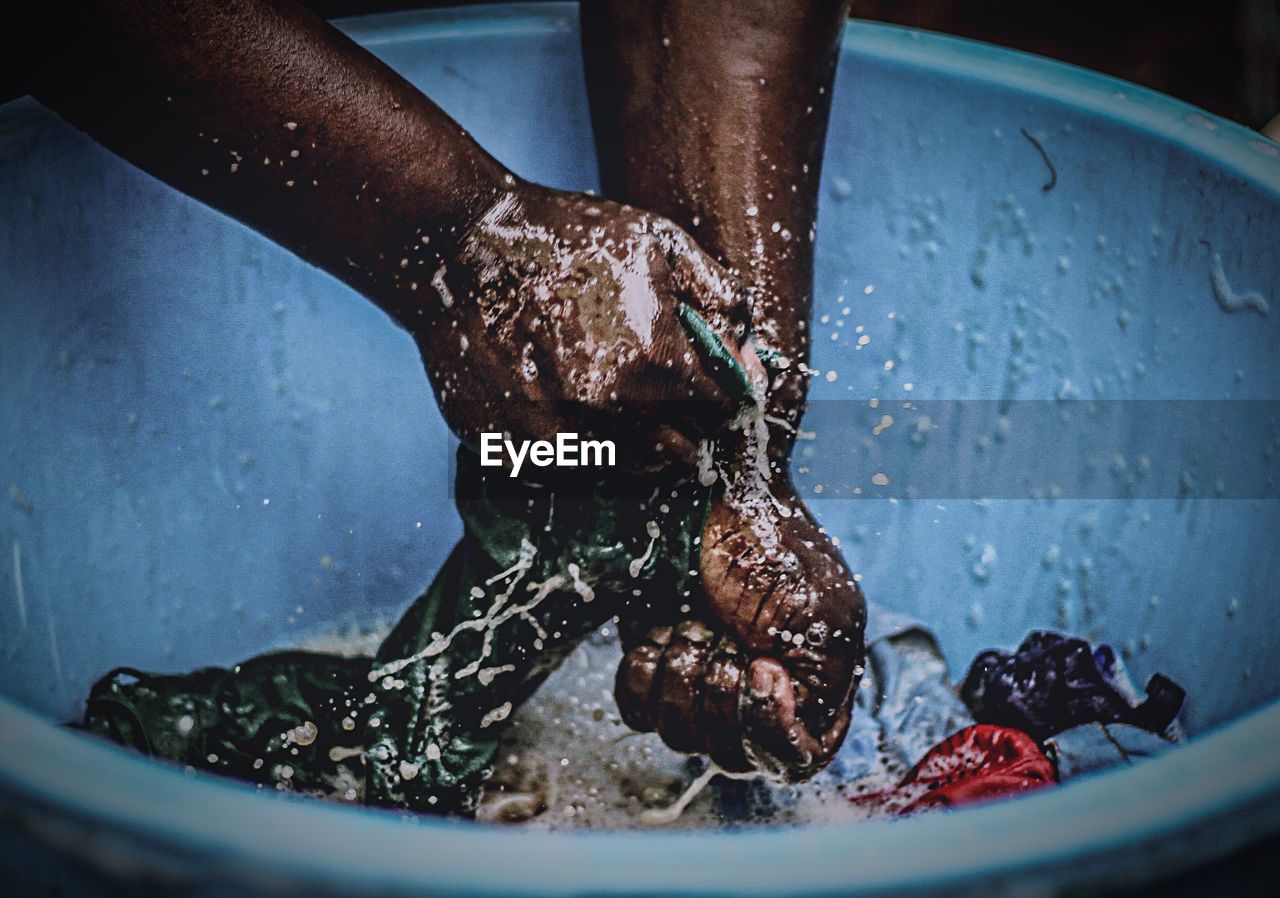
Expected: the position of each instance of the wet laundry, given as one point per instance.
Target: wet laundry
(537, 570)
(418, 726)
(979, 763)
(913, 743)
(1052, 683)
(1092, 747)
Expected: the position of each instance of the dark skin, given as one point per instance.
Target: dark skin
(513, 291)
(760, 673)
(539, 312)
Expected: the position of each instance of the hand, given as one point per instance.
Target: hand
(558, 312)
(761, 676)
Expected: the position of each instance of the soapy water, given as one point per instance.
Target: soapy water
(568, 761)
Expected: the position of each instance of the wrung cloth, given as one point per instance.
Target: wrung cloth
(418, 726)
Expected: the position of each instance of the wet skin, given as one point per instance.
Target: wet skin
(272, 116)
(570, 307)
(714, 114)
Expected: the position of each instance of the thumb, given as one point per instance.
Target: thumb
(718, 296)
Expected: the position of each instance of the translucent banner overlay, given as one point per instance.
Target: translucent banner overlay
(1039, 449)
(989, 449)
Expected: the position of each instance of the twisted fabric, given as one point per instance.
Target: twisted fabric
(418, 726)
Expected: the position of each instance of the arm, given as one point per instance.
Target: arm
(271, 115)
(714, 112)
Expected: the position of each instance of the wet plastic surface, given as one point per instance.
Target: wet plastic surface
(210, 448)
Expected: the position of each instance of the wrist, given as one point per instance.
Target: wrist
(461, 185)
(427, 241)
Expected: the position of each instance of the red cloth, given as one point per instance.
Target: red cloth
(979, 763)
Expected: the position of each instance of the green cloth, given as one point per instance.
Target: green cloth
(510, 605)
(418, 727)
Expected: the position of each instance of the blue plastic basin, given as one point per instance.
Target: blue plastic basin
(164, 372)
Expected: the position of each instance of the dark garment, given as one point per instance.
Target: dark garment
(1052, 683)
(418, 726)
(272, 720)
(979, 763)
(538, 568)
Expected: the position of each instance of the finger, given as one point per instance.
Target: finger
(826, 639)
(722, 723)
(725, 303)
(687, 378)
(680, 680)
(718, 295)
(718, 298)
(732, 325)
(755, 592)
(658, 433)
(775, 739)
(688, 403)
(654, 445)
(671, 447)
(634, 687)
(755, 368)
(833, 736)
(635, 684)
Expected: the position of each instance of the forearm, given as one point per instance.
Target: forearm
(714, 113)
(272, 116)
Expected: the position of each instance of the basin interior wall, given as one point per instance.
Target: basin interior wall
(210, 448)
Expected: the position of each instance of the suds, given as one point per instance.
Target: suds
(568, 761)
(499, 613)
(671, 813)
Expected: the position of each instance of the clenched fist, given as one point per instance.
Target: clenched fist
(760, 674)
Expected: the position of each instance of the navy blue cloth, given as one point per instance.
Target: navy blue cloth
(1052, 683)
